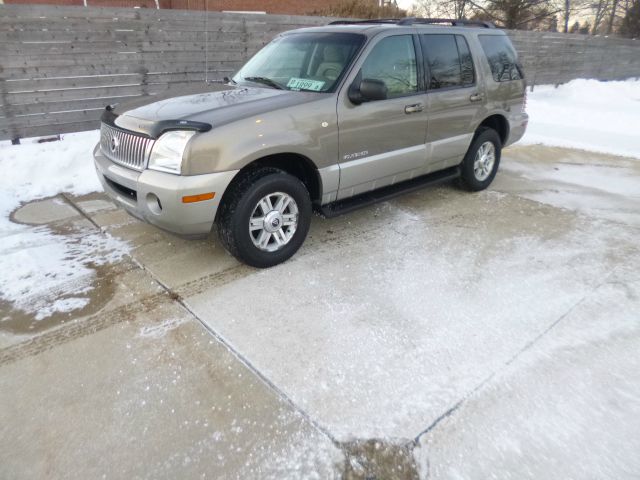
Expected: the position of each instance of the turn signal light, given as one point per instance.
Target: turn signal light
(198, 198)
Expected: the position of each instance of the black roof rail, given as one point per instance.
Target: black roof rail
(371, 20)
(456, 22)
(422, 21)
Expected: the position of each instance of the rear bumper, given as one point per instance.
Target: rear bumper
(156, 197)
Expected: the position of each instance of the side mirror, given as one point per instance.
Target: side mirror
(368, 90)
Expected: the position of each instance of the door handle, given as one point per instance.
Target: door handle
(416, 107)
(476, 97)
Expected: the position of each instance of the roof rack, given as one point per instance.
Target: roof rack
(372, 20)
(422, 21)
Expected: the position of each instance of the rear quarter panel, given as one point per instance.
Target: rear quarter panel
(502, 98)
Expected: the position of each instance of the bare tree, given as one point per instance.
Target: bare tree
(612, 16)
(361, 9)
(444, 8)
(513, 14)
(631, 22)
(599, 9)
(566, 14)
(571, 9)
(523, 14)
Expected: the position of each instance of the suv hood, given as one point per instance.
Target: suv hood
(214, 105)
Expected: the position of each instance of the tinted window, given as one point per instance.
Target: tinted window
(449, 61)
(393, 61)
(502, 57)
(466, 62)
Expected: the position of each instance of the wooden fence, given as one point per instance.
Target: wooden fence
(60, 66)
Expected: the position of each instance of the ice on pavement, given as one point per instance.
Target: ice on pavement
(41, 272)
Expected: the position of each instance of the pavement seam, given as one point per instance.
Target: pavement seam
(72, 204)
(526, 347)
(451, 410)
(241, 358)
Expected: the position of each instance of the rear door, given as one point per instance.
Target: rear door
(382, 142)
(454, 98)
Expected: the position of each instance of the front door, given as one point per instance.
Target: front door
(383, 141)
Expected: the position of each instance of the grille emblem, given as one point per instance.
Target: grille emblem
(114, 144)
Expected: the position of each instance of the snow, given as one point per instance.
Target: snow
(39, 170)
(588, 115)
(41, 272)
(161, 329)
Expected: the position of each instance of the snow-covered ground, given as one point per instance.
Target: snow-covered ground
(36, 263)
(42, 272)
(588, 115)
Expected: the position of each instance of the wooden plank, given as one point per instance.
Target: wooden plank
(51, 118)
(109, 25)
(70, 48)
(116, 58)
(13, 49)
(93, 36)
(64, 106)
(34, 72)
(88, 93)
(43, 84)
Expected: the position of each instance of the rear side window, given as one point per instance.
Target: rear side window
(448, 60)
(502, 57)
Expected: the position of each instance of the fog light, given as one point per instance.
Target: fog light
(153, 204)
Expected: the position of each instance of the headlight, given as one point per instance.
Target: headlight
(166, 155)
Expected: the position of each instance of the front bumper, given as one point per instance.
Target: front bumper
(156, 197)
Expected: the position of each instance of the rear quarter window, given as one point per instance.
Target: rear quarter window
(502, 57)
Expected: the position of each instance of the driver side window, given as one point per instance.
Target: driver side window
(393, 61)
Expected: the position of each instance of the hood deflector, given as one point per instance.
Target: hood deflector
(148, 128)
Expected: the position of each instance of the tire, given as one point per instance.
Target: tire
(246, 201)
(475, 177)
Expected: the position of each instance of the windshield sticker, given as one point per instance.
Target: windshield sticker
(305, 84)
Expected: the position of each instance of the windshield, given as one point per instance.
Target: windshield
(302, 61)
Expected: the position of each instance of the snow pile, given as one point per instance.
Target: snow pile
(588, 115)
(41, 272)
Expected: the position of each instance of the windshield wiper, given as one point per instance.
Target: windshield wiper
(264, 81)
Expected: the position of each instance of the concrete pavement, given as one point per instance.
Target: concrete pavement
(476, 335)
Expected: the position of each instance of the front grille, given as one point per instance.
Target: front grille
(125, 148)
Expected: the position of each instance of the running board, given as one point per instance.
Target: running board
(347, 205)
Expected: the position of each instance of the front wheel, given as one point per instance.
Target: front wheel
(265, 217)
(481, 162)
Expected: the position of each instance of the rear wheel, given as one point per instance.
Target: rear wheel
(265, 217)
(480, 164)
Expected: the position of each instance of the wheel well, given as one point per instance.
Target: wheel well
(294, 164)
(499, 124)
